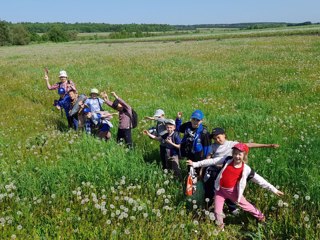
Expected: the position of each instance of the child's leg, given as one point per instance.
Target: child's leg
(173, 162)
(248, 207)
(219, 199)
(244, 204)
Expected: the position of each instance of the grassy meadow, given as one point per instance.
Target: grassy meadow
(59, 184)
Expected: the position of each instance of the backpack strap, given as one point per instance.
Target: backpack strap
(101, 109)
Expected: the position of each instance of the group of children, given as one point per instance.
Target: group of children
(223, 163)
(88, 113)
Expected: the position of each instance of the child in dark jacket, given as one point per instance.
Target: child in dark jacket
(171, 141)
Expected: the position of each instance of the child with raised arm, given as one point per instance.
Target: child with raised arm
(64, 83)
(159, 130)
(223, 148)
(172, 142)
(125, 117)
(232, 180)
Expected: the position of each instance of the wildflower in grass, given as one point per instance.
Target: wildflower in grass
(306, 219)
(307, 198)
(19, 213)
(161, 191)
(195, 206)
(53, 196)
(166, 182)
(68, 210)
(211, 216)
(13, 236)
(133, 218)
(207, 200)
(268, 160)
(280, 203)
(206, 213)
(126, 231)
(296, 196)
(19, 227)
(195, 222)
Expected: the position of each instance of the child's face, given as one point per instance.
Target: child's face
(238, 156)
(195, 122)
(170, 128)
(73, 95)
(94, 95)
(219, 139)
(89, 115)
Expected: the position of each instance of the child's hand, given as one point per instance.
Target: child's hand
(275, 145)
(279, 193)
(104, 95)
(46, 77)
(58, 107)
(145, 132)
(179, 115)
(114, 94)
(149, 118)
(189, 163)
(168, 140)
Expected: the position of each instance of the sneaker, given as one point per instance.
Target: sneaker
(236, 212)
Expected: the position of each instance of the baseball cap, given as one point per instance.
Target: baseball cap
(197, 114)
(63, 74)
(170, 122)
(61, 91)
(86, 110)
(158, 113)
(217, 131)
(241, 147)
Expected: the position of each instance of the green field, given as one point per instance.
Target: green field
(59, 184)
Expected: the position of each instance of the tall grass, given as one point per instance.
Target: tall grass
(57, 183)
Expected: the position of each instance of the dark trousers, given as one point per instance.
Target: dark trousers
(125, 135)
(163, 153)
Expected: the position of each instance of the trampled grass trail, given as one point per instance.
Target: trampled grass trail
(56, 183)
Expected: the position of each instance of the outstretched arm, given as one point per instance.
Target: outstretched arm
(265, 184)
(146, 132)
(262, 145)
(206, 162)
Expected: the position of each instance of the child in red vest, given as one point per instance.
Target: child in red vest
(232, 180)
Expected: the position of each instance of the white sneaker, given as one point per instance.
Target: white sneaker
(236, 212)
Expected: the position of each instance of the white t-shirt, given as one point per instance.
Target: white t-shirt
(93, 104)
(223, 150)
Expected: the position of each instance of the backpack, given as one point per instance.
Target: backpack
(133, 118)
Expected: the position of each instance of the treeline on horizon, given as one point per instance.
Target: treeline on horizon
(25, 32)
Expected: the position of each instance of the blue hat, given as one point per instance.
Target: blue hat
(86, 110)
(197, 114)
(61, 91)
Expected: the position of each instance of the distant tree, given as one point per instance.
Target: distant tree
(57, 34)
(4, 33)
(35, 37)
(72, 35)
(19, 35)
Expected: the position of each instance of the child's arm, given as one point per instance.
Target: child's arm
(206, 162)
(262, 145)
(265, 184)
(146, 132)
(168, 140)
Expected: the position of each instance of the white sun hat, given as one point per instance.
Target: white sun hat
(63, 74)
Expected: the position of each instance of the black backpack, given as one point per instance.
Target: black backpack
(133, 118)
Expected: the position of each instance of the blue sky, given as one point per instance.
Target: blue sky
(164, 11)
